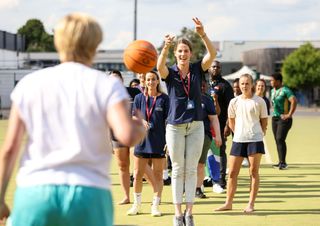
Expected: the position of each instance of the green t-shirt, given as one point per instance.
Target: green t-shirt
(280, 100)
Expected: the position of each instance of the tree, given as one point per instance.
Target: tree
(37, 39)
(198, 48)
(301, 69)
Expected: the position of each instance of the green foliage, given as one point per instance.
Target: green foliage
(301, 69)
(198, 48)
(37, 39)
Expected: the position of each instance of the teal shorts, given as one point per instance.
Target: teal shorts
(62, 205)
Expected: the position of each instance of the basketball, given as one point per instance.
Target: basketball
(140, 56)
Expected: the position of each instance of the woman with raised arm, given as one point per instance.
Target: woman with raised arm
(184, 131)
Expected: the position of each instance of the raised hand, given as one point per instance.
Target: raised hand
(199, 27)
(168, 40)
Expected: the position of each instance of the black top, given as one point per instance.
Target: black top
(225, 93)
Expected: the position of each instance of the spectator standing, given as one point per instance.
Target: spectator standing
(224, 91)
(284, 105)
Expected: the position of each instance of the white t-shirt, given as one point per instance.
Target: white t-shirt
(64, 109)
(247, 114)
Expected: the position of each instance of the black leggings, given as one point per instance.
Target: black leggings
(280, 130)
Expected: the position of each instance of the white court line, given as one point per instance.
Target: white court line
(267, 153)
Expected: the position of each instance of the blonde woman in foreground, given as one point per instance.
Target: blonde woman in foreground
(66, 112)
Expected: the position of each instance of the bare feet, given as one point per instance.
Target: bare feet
(124, 201)
(225, 207)
(249, 209)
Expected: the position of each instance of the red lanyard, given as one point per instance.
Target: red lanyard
(186, 89)
(149, 112)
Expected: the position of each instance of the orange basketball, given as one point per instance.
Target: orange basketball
(140, 56)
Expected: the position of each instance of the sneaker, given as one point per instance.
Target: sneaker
(189, 220)
(217, 189)
(283, 166)
(135, 210)
(199, 194)
(167, 181)
(207, 182)
(178, 221)
(155, 212)
(276, 165)
(245, 162)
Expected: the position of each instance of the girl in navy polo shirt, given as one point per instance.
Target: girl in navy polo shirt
(154, 105)
(184, 131)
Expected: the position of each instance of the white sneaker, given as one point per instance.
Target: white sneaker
(217, 189)
(134, 210)
(155, 212)
(245, 162)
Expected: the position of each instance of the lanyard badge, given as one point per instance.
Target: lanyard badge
(149, 111)
(190, 103)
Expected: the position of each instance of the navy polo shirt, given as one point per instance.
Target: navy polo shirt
(155, 139)
(178, 112)
(208, 108)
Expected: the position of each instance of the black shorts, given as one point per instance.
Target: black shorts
(150, 155)
(247, 149)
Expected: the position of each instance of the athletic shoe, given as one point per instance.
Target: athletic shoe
(178, 221)
(276, 165)
(199, 194)
(245, 162)
(283, 166)
(155, 212)
(189, 220)
(217, 189)
(135, 210)
(207, 182)
(167, 181)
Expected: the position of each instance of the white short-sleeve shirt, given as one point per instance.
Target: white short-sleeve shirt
(64, 109)
(247, 114)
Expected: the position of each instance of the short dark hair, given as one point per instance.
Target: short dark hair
(135, 80)
(117, 72)
(236, 80)
(277, 76)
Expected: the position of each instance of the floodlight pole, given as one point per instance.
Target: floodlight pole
(135, 21)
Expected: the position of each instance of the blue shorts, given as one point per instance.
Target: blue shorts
(247, 149)
(61, 205)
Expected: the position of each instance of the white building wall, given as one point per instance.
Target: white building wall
(10, 59)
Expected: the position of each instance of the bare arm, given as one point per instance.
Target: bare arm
(216, 103)
(128, 131)
(8, 155)
(293, 106)
(211, 51)
(214, 123)
(161, 63)
(264, 123)
(231, 123)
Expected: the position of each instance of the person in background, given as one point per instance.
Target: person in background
(260, 89)
(122, 152)
(142, 79)
(248, 118)
(224, 92)
(155, 104)
(284, 105)
(184, 131)
(63, 177)
(210, 120)
(236, 87)
(134, 83)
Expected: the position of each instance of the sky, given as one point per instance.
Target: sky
(234, 20)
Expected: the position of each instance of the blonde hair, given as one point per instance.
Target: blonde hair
(251, 80)
(77, 37)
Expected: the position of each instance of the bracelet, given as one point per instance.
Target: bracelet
(204, 35)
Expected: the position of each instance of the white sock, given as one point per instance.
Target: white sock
(137, 198)
(156, 200)
(165, 174)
